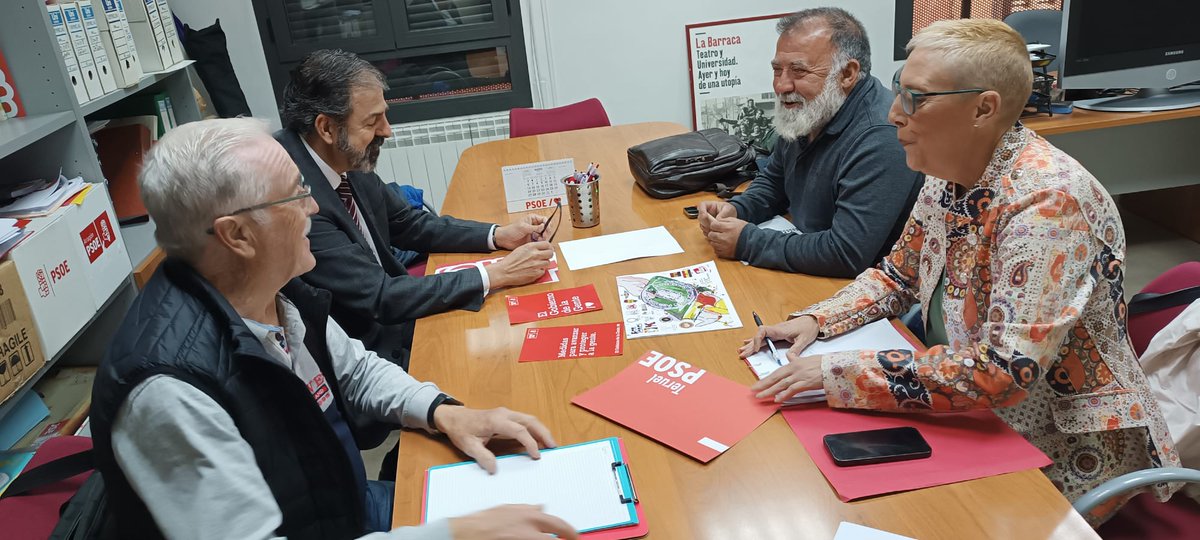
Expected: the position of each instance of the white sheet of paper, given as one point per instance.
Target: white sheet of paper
(779, 223)
(611, 248)
(877, 336)
(574, 483)
(854, 531)
(535, 186)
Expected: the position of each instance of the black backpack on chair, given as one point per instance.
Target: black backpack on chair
(85, 515)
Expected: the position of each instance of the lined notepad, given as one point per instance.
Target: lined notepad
(576, 483)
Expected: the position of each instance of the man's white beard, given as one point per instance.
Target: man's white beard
(810, 116)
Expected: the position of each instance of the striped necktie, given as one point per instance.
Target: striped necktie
(343, 191)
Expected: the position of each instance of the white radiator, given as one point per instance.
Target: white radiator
(424, 154)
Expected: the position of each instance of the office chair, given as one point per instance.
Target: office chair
(588, 113)
(1039, 26)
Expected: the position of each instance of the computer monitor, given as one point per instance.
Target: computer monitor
(1153, 45)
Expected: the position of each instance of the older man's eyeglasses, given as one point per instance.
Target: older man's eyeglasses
(304, 191)
(910, 99)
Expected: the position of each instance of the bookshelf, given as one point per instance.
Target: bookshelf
(54, 135)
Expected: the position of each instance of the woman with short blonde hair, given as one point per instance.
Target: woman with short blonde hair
(1016, 254)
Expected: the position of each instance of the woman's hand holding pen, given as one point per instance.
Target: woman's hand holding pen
(801, 331)
(802, 372)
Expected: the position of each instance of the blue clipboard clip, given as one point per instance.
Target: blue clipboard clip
(632, 498)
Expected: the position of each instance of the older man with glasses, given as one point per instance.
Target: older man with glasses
(226, 404)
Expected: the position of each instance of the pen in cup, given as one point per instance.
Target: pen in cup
(770, 344)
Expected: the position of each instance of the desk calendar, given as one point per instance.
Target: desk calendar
(535, 186)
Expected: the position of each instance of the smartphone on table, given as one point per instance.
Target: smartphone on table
(876, 446)
(691, 212)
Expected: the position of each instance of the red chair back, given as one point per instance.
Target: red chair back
(588, 113)
(1143, 326)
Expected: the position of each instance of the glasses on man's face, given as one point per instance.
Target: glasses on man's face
(910, 99)
(556, 217)
(304, 192)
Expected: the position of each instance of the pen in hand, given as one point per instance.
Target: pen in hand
(770, 344)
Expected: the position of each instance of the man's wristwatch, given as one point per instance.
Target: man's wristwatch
(441, 399)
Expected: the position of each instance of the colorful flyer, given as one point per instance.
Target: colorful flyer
(680, 301)
(561, 342)
(551, 304)
(551, 275)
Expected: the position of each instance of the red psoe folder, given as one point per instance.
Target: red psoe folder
(678, 404)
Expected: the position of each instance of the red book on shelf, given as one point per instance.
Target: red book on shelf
(10, 102)
(685, 407)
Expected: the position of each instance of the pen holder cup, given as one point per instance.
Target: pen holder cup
(583, 200)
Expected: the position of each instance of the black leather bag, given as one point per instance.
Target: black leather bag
(706, 160)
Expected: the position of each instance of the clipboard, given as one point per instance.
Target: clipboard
(463, 488)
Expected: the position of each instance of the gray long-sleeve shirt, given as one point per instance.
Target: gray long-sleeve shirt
(169, 434)
(849, 191)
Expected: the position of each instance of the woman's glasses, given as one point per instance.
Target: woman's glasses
(910, 99)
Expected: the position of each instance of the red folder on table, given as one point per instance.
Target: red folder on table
(551, 304)
(966, 446)
(583, 341)
(678, 404)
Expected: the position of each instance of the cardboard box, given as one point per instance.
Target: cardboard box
(59, 27)
(83, 49)
(148, 34)
(98, 242)
(168, 23)
(68, 395)
(104, 68)
(55, 278)
(20, 346)
(118, 44)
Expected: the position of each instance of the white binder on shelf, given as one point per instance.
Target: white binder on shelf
(168, 23)
(83, 50)
(114, 34)
(104, 69)
(148, 36)
(59, 26)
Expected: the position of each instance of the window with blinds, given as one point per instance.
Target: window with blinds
(912, 16)
(430, 14)
(442, 58)
(313, 21)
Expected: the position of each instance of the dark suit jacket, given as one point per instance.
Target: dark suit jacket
(377, 302)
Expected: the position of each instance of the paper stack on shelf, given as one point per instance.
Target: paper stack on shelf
(43, 201)
(11, 232)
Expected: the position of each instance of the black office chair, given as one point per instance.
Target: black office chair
(1040, 26)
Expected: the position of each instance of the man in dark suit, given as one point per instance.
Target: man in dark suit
(335, 121)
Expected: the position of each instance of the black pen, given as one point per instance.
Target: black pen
(770, 344)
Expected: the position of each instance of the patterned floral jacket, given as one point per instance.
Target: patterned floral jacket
(1035, 316)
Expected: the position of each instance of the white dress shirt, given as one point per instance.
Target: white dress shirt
(335, 180)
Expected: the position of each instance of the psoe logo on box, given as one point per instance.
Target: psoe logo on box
(58, 273)
(42, 284)
(104, 228)
(92, 243)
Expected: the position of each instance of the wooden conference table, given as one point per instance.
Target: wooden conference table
(765, 486)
